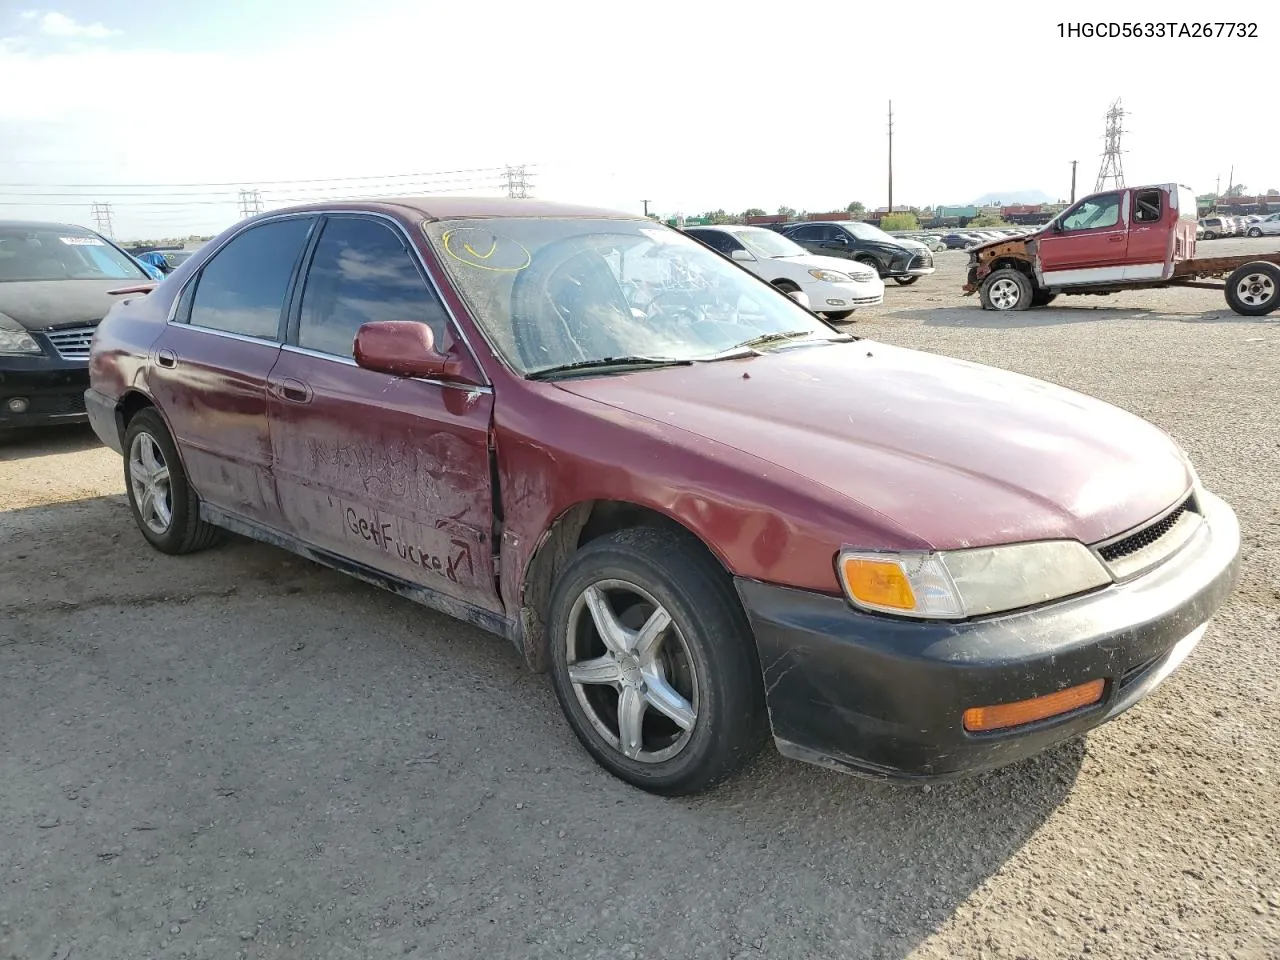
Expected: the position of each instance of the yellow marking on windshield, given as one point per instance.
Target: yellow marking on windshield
(512, 255)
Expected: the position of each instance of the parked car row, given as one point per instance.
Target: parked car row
(1249, 225)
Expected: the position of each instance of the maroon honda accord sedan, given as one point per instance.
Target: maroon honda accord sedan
(708, 514)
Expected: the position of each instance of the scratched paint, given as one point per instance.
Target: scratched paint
(414, 545)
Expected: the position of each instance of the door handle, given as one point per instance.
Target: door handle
(1115, 238)
(293, 390)
(166, 358)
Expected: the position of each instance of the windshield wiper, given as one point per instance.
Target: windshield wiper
(604, 363)
(748, 347)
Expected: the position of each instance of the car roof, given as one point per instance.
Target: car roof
(466, 208)
(41, 225)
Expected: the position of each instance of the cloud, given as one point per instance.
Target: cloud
(54, 24)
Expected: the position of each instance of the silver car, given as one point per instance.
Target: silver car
(1266, 227)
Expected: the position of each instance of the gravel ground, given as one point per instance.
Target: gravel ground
(237, 754)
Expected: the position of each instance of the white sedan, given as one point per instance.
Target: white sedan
(834, 287)
(1266, 227)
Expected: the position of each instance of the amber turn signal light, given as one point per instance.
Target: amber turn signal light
(1005, 715)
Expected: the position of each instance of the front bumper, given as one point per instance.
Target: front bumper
(884, 697)
(910, 265)
(834, 297)
(52, 388)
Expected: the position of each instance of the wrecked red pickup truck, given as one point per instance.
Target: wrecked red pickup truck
(1122, 239)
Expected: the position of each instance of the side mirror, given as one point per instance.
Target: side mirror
(836, 243)
(404, 349)
(741, 254)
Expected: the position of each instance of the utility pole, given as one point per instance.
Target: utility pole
(250, 203)
(1217, 186)
(101, 214)
(1073, 180)
(646, 207)
(1231, 179)
(517, 182)
(891, 156)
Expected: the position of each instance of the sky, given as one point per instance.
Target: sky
(692, 106)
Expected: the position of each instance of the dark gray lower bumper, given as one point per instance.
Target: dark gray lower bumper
(884, 696)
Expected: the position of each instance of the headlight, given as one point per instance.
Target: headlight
(954, 584)
(14, 340)
(831, 276)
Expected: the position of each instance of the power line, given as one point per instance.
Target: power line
(517, 182)
(267, 183)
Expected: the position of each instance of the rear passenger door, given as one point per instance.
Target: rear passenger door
(209, 368)
(390, 472)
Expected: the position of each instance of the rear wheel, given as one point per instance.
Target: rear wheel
(1006, 289)
(1255, 232)
(1254, 289)
(164, 506)
(1042, 298)
(653, 664)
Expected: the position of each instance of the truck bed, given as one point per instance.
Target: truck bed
(1215, 266)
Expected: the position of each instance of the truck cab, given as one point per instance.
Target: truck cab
(1108, 241)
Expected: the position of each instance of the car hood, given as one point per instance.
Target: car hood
(911, 244)
(40, 304)
(813, 261)
(957, 453)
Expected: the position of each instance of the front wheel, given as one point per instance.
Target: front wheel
(1255, 232)
(653, 663)
(1006, 289)
(905, 281)
(1254, 289)
(839, 315)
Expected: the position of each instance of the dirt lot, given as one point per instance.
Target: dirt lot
(238, 754)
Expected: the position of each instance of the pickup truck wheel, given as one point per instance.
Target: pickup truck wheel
(905, 281)
(165, 508)
(653, 664)
(1254, 289)
(1006, 289)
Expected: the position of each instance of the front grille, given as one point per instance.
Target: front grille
(1145, 537)
(72, 343)
(921, 261)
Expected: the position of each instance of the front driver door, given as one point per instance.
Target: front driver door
(390, 472)
(1091, 245)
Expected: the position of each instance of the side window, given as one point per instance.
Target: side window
(730, 243)
(807, 234)
(1148, 206)
(712, 238)
(242, 289)
(1095, 213)
(362, 273)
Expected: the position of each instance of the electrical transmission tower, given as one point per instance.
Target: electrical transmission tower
(250, 203)
(1112, 168)
(517, 182)
(101, 214)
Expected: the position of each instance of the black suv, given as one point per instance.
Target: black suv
(906, 261)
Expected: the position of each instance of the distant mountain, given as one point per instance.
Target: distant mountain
(1014, 196)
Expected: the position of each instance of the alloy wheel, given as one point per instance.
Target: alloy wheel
(149, 478)
(631, 671)
(1004, 294)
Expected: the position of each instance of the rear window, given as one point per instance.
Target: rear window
(61, 253)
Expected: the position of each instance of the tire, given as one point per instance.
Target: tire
(1042, 298)
(1006, 289)
(786, 286)
(1254, 289)
(905, 281)
(1255, 232)
(148, 450)
(705, 662)
(838, 315)
(1210, 235)
(869, 262)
